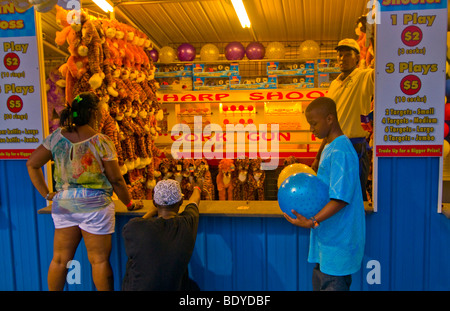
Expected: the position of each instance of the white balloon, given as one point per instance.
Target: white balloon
(275, 50)
(167, 54)
(309, 49)
(209, 53)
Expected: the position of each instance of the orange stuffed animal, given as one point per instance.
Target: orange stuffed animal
(223, 179)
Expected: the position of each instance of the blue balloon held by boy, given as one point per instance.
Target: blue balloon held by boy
(304, 193)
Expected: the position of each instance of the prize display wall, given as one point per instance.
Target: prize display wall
(145, 92)
(233, 93)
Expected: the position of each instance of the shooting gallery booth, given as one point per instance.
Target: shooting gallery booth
(189, 72)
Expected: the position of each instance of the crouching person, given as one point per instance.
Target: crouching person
(159, 245)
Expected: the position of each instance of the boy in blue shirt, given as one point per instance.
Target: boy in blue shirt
(338, 236)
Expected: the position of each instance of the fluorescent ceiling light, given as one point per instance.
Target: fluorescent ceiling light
(104, 5)
(241, 13)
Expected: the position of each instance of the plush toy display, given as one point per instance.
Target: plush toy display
(113, 60)
(224, 179)
(202, 173)
(110, 59)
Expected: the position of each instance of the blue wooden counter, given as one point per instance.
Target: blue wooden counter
(406, 236)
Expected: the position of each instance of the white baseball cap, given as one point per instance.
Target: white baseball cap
(350, 43)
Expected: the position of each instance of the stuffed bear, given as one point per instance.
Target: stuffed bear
(224, 179)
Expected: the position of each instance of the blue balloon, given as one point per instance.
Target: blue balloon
(304, 193)
(447, 88)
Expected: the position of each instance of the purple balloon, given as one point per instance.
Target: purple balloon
(186, 52)
(234, 51)
(255, 50)
(154, 55)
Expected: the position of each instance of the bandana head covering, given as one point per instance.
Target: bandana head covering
(167, 192)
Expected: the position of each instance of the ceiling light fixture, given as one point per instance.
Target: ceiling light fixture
(105, 5)
(241, 13)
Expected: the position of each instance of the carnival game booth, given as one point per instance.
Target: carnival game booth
(226, 104)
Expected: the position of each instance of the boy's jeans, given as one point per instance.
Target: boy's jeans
(326, 282)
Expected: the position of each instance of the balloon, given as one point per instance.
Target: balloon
(309, 49)
(154, 55)
(209, 53)
(167, 54)
(293, 169)
(448, 44)
(446, 150)
(275, 50)
(234, 51)
(186, 52)
(446, 129)
(255, 50)
(447, 87)
(304, 193)
(447, 112)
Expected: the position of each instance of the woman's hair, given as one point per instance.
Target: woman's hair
(80, 111)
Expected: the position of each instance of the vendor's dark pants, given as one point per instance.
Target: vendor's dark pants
(360, 145)
(325, 282)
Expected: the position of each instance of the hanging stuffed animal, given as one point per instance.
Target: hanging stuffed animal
(290, 160)
(242, 188)
(187, 181)
(224, 179)
(166, 168)
(77, 64)
(202, 173)
(360, 31)
(257, 178)
(116, 115)
(126, 127)
(178, 170)
(55, 85)
(92, 39)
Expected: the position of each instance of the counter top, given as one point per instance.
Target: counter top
(214, 208)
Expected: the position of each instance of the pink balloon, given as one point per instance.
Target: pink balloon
(154, 55)
(447, 112)
(255, 50)
(186, 52)
(234, 51)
